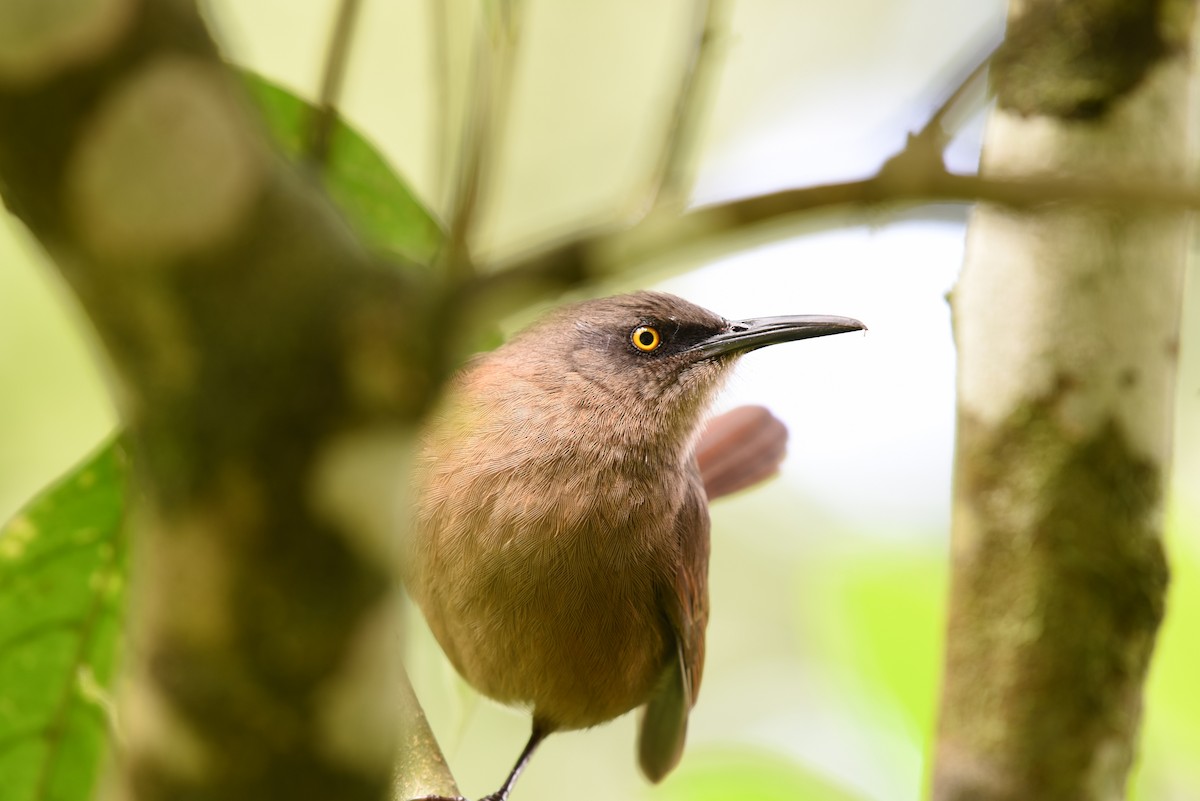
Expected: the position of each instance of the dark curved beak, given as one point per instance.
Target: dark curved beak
(743, 336)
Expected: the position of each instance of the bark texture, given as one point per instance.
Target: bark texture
(1067, 324)
(263, 366)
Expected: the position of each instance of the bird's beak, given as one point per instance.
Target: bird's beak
(743, 336)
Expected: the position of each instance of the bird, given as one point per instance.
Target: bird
(561, 542)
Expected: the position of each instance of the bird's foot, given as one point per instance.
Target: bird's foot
(440, 798)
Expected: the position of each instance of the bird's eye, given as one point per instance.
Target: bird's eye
(646, 338)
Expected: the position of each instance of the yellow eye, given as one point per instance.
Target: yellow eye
(645, 338)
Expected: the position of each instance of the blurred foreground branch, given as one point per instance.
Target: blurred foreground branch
(263, 371)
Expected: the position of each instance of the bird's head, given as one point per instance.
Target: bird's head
(651, 351)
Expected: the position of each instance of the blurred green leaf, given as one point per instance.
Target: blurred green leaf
(377, 201)
(717, 775)
(62, 585)
(1170, 752)
(1172, 686)
(895, 613)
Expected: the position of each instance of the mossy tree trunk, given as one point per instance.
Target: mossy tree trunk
(1067, 324)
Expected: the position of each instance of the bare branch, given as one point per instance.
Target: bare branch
(421, 770)
(439, 32)
(933, 133)
(495, 55)
(909, 178)
(670, 182)
(337, 55)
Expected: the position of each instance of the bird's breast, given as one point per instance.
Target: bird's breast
(541, 577)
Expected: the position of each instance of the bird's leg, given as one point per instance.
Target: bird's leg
(539, 734)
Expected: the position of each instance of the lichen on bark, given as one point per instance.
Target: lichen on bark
(1059, 588)
(1074, 60)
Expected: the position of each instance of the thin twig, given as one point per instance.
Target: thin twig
(914, 175)
(324, 116)
(495, 55)
(933, 134)
(670, 182)
(602, 253)
(439, 24)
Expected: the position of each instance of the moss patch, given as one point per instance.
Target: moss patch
(1056, 597)
(1073, 60)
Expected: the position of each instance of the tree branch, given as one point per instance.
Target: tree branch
(333, 76)
(494, 60)
(908, 179)
(421, 769)
(670, 182)
(264, 373)
(933, 133)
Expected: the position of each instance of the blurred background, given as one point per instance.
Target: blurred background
(828, 584)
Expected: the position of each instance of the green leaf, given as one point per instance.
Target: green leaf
(62, 586)
(381, 206)
(895, 611)
(721, 775)
(1169, 756)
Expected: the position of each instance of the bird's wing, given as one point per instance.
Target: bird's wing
(664, 722)
(687, 606)
(740, 448)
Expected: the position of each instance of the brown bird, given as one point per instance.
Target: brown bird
(561, 549)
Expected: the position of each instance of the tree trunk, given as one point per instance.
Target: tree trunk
(1067, 325)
